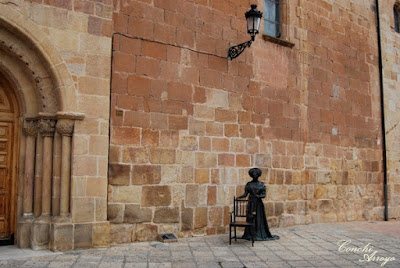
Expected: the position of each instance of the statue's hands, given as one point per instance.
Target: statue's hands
(260, 194)
(243, 195)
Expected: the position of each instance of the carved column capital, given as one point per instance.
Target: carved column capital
(47, 127)
(31, 127)
(65, 127)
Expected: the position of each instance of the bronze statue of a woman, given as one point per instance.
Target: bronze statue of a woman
(257, 190)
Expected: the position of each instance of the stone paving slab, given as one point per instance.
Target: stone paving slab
(355, 244)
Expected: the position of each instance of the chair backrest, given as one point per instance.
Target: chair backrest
(240, 207)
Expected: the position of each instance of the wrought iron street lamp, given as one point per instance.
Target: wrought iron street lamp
(253, 17)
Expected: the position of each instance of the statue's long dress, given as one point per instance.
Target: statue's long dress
(256, 205)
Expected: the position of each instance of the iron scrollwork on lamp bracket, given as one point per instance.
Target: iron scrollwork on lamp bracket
(235, 51)
(253, 17)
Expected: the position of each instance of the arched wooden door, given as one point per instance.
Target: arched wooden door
(8, 140)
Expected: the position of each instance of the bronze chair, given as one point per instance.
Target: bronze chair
(239, 217)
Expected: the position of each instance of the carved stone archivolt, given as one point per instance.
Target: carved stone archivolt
(31, 127)
(47, 127)
(65, 127)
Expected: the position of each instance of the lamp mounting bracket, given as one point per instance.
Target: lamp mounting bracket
(235, 51)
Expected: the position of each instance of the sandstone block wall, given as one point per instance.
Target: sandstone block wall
(391, 61)
(187, 124)
(79, 32)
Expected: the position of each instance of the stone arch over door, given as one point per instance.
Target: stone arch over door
(46, 98)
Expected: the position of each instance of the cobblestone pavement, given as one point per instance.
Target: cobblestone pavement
(314, 245)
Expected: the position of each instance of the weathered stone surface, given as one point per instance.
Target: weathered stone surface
(166, 215)
(169, 174)
(200, 217)
(325, 205)
(242, 160)
(119, 174)
(101, 234)
(211, 195)
(291, 207)
(202, 175)
(135, 155)
(101, 209)
(146, 175)
(186, 175)
(135, 214)
(185, 157)
(320, 191)
(24, 233)
(286, 220)
(215, 216)
(269, 208)
(206, 160)
(323, 177)
(187, 219)
(83, 235)
(156, 196)
(162, 156)
(369, 203)
(115, 213)
(146, 232)
(121, 233)
(178, 193)
(227, 215)
(61, 237)
(82, 209)
(279, 208)
(192, 195)
(263, 160)
(126, 194)
(188, 143)
(294, 193)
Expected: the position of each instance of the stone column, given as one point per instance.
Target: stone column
(65, 128)
(30, 128)
(56, 182)
(37, 201)
(47, 131)
(40, 232)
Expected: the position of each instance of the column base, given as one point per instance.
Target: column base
(40, 233)
(24, 231)
(61, 236)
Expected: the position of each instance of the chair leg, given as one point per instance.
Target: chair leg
(230, 234)
(235, 235)
(253, 234)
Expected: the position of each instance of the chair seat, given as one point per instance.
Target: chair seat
(241, 223)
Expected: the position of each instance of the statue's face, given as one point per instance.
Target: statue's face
(254, 174)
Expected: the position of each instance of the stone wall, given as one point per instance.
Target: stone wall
(391, 66)
(187, 124)
(77, 33)
(343, 157)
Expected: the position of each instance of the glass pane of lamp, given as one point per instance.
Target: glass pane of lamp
(257, 23)
(250, 25)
